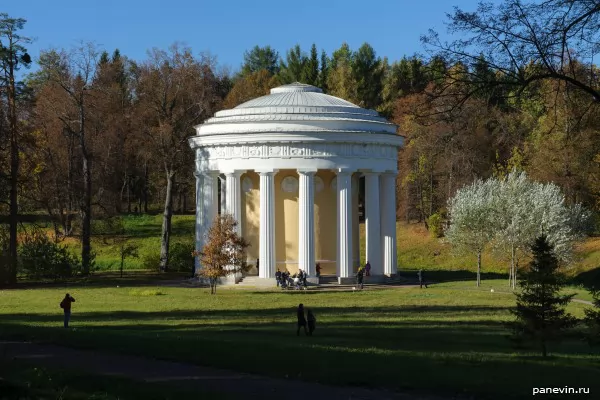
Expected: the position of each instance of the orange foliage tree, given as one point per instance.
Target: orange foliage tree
(224, 252)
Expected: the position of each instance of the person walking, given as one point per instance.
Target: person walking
(278, 277)
(360, 277)
(368, 269)
(65, 304)
(421, 276)
(301, 320)
(318, 269)
(312, 322)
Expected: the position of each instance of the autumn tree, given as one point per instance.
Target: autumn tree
(71, 74)
(224, 252)
(250, 86)
(13, 56)
(174, 92)
(540, 312)
(525, 42)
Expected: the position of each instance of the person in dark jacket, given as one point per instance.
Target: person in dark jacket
(65, 304)
(359, 278)
(301, 320)
(278, 277)
(421, 276)
(318, 269)
(312, 322)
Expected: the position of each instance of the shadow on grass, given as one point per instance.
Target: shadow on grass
(589, 279)
(433, 275)
(402, 348)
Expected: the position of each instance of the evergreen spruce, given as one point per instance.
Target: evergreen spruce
(540, 311)
(592, 318)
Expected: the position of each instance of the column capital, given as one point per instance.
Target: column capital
(266, 171)
(306, 171)
(236, 173)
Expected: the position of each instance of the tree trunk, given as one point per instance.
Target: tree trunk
(14, 175)
(128, 194)
(511, 282)
(86, 207)
(166, 226)
(478, 268)
(145, 190)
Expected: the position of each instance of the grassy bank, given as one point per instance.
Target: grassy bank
(392, 338)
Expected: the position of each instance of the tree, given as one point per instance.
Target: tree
(259, 58)
(472, 213)
(540, 312)
(251, 86)
(224, 252)
(368, 74)
(524, 41)
(592, 318)
(310, 70)
(340, 80)
(529, 209)
(72, 76)
(175, 92)
(13, 56)
(324, 71)
(293, 68)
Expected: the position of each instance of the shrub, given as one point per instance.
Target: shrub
(180, 257)
(435, 223)
(40, 258)
(151, 259)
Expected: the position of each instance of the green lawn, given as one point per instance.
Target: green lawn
(448, 339)
(24, 381)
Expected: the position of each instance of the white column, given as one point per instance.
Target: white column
(388, 223)
(266, 248)
(211, 199)
(344, 228)
(306, 238)
(199, 217)
(355, 222)
(233, 197)
(223, 195)
(372, 222)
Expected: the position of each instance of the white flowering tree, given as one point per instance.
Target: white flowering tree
(510, 214)
(531, 209)
(473, 218)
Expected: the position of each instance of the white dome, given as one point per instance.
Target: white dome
(295, 108)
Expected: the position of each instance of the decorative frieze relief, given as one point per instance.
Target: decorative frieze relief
(297, 150)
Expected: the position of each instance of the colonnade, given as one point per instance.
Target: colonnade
(380, 218)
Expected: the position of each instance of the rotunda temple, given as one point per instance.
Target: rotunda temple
(288, 166)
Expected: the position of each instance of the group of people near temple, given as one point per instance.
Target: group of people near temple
(286, 280)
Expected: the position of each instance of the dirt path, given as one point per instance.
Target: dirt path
(237, 385)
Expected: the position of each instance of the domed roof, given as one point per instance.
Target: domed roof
(296, 107)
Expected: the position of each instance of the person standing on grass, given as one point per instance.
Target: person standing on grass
(301, 320)
(65, 304)
(312, 321)
(422, 279)
(360, 277)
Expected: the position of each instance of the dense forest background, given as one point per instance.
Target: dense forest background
(92, 134)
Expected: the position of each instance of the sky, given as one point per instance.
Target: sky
(228, 28)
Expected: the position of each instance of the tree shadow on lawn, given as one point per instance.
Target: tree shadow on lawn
(380, 327)
(406, 355)
(442, 275)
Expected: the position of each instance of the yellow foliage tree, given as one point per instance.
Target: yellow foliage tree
(224, 252)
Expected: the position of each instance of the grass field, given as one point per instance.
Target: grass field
(416, 249)
(448, 339)
(24, 381)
